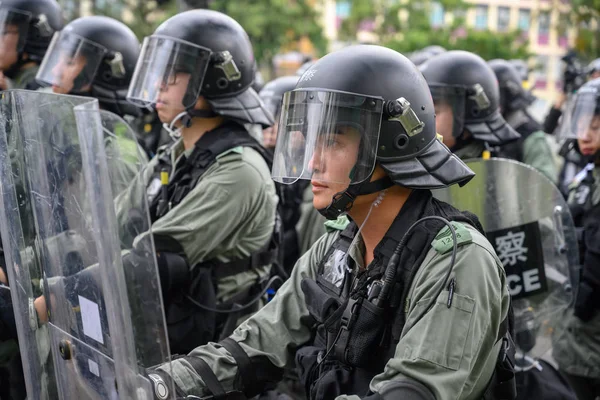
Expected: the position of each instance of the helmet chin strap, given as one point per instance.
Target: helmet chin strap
(343, 201)
(186, 118)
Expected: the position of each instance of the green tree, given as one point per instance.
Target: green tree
(145, 15)
(585, 14)
(275, 24)
(406, 27)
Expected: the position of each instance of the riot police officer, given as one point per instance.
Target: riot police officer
(467, 100)
(532, 147)
(576, 346)
(378, 307)
(95, 56)
(211, 199)
(522, 70)
(593, 69)
(302, 224)
(27, 26)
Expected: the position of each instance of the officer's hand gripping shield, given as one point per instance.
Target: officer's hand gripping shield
(529, 224)
(86, 295)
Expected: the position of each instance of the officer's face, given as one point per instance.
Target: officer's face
(9, 39)
(65, 72)
(444, 121)
(170, 100)
(588, 138)
(333, 162)
(270, 136)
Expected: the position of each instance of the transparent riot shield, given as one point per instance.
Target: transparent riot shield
(125, 158)
(84, 285)
(528, 222)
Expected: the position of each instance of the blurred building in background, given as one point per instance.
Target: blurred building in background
(541, 21)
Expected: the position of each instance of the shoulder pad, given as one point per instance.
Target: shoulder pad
(337, 225)
(443, 241)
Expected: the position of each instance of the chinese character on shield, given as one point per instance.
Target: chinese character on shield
(510, 248)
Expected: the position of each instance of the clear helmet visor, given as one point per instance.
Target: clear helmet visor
(582, 121)
(168, 72)
(71, 63)
(14, 25)
(329, 137)
(449, 103)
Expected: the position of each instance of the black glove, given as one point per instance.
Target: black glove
(585, 306)
(8, 326)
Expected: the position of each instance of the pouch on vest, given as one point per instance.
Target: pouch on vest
(189, 326)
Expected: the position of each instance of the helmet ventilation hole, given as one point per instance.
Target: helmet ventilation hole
(401, 141)
(222, 83)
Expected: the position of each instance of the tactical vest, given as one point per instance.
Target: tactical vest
(586, 216)
(356, 338)
(188, 325)
(580, 202)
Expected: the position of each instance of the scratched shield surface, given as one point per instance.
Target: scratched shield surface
(528, 222)
(86, 299)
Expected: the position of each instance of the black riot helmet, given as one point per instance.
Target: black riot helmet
(34, 21)
(594, 67)
(259, 81)
(305, 67)
(272, 93)
(513, 96)
(420, 57)
(464, 81)
(377, 98)
(93, 56)
(434, 50)
(521, 67)
(211, 50)
(581, 123)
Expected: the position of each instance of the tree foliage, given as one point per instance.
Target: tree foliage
(586, 16)
(271, 24)
(275, 24)
(406, 27)
(144, 15)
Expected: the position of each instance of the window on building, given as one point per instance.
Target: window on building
(503, 18)
(524, 19)
(342, 9)
(541, 72)
(481, 17)
(543, 28)
(436, 18)
(563, 37)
